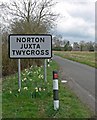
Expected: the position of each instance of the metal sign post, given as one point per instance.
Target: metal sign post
(30, 46)
(45, 70)
(19, 74)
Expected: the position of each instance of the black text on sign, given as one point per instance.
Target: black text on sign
(30, 46)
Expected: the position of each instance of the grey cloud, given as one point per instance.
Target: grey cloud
(75, 35)
(80, 10)
(87, 16)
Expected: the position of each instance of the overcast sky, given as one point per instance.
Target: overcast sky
(77, 21)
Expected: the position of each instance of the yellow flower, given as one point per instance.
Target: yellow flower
(25, 79)
(36, 90)
(31, 66)
(19, 90)
(25, 88)
(44, 89)
(22, 80)
(39, 89)
(41, 76)
(23, 74)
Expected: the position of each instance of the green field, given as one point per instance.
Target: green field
(35, 99)
(87, 58)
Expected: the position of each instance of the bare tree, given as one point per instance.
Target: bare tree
(76, 46)
(90, 46)
(32, 16)
(67, 45)
(57, 41)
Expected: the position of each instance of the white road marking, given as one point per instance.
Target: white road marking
(64, 81)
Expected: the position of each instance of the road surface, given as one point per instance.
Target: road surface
(80, 78)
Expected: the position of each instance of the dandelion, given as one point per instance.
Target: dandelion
(19, 90)
(10, 92)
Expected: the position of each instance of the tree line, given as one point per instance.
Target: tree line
(60, 44)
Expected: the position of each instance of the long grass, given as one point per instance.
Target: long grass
(83, 57)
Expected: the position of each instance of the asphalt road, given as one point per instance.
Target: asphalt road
(80, 78)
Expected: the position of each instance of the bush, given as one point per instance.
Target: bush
(58, 48)
(10, 66)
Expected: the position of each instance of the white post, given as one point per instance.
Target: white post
(55, 90)
(19, 74)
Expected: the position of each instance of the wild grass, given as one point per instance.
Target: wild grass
(83, 57)
(35, 99)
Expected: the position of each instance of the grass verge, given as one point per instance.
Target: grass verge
(35, 99)
(83, 57)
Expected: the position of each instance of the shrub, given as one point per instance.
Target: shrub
(10, 66)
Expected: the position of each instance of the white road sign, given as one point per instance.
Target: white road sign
(30, 46)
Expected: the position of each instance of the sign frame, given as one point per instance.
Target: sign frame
(37, 35)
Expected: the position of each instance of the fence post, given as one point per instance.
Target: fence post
(55, 90)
